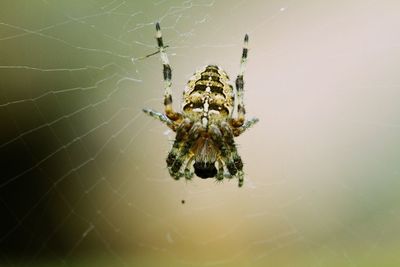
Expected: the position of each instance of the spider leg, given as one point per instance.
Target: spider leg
(185, 150)
(216, 136)
(181, 149)
(188, 173)
(167, 75)
(237, 122)
(240, 175)
(233, 161)
(220, 173)
(174, 161)
(239, 130)
(228, 153)
(235, 166)
(160, 116)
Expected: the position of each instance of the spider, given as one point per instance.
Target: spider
(206, 126)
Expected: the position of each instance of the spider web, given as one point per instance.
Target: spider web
(83, 175)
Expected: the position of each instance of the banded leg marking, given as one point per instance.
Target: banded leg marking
(167, 75)
(240, 84)
(161, 117)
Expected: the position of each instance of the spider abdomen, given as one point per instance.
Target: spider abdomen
(209, 95)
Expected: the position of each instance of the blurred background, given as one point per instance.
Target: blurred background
(83, 178)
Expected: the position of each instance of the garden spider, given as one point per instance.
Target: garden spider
(206, 127)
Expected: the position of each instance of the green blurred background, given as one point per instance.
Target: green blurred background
(83, 175)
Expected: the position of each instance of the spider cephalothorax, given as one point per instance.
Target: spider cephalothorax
(206, 127)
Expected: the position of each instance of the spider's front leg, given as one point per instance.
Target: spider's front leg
(167, 75)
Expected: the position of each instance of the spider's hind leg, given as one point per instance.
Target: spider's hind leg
(240, 176)
(188, 173)
(186, 135)
(232, 159)
(235, 167)
(220, 173)
(174, 159)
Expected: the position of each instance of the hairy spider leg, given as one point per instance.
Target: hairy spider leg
(228, 153)
(161, 117)
(239, 86)
(232, 160)
(192, 136)
(167, 75)
(216, 136)
(221, 171)
(239, 130)
(184, 152)
(188, 173)
(174, 160)
(180, 151)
